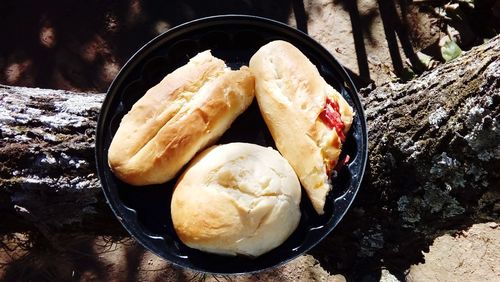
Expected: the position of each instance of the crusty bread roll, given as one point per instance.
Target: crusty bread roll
(308, 119)
(237, 198)
(189, 109)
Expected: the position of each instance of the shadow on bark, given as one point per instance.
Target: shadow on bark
(426, 177)
(48, 50)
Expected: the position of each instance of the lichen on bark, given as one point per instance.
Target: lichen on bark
(433, 163)
(442, 131)
(46, 155)
(433, 167)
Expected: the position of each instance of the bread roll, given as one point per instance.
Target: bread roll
(237, 198)
(189, 109)
(308, 119)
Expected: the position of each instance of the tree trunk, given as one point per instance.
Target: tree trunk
(47, 168)
(434, 163)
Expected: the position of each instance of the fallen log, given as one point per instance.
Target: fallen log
(434, 163)
(434, 166)
(47, 168)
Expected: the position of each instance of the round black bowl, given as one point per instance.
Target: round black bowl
(145, 211)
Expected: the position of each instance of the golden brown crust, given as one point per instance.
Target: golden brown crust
(291, 95)
(189, 109)
(236, 198)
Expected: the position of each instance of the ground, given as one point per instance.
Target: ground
(82, 46)
(468, 255)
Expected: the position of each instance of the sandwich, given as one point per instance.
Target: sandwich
(308, 119)
(184, 113)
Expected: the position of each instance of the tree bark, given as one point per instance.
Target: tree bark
(434, 163)
(47, 168)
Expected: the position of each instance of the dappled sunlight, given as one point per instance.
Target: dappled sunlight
(134, 11)
(81, 47)
(374, 40)
(109, 71)
(111, 22)
(32, 258)
(47, 36)
(94, 47)
(161, 27)
(19, 72)
(29, 256)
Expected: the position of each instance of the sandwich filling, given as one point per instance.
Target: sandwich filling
(332, 118)
(333, 135)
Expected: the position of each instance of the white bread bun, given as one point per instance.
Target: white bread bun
(294, 101)
(188, 110)
(236, 198)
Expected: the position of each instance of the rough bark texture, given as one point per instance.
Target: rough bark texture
(434, 164)
(47, 168)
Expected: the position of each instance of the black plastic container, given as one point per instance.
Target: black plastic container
(145, 211)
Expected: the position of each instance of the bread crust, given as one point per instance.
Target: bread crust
(291, 95)
(236, 198)
(187, 111)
